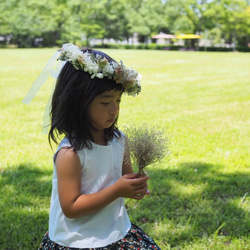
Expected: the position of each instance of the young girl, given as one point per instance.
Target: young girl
(92, 168)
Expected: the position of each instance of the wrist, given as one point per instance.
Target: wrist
(115, 191)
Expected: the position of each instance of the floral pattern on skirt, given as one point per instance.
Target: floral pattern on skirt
(136, 239)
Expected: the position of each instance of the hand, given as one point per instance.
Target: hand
(129, 186)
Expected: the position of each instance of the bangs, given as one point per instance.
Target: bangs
(105, 84)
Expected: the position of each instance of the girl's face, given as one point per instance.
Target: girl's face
(104, 109)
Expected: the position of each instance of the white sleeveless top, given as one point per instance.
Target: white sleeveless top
(101, 167)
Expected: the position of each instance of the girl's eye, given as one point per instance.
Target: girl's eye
(104, 103)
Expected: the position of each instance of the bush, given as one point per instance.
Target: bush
(243, 49)
(216, 49)
(154, 46)
(127, 46)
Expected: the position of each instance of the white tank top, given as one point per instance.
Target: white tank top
(101, 167)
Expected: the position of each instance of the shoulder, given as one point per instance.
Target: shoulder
(66, 153)
(119, 137)
(66, 158)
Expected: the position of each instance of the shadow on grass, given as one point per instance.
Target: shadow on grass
(24, 201)
(192, 201)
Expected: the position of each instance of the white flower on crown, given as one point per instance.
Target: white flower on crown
(98, 66)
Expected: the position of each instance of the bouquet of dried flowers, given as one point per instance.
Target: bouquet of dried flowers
(147, 145)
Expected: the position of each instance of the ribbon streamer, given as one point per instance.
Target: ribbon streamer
(41, 79)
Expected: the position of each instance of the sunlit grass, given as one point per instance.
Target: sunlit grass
(199, 197)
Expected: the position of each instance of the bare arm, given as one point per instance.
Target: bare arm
(74, 204)
(127, 166)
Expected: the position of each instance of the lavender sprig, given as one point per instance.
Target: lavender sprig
(147, 145)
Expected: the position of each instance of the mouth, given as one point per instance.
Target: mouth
(112, 120)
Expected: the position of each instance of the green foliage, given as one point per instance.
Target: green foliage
(72, 20)
(199, 197)
(183, 25)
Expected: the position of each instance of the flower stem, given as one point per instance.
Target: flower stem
(141, 173)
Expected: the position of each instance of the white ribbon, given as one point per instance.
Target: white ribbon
(41, 79)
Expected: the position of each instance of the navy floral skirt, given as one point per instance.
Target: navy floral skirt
(136, 238)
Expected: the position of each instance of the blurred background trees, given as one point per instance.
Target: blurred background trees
(30, 23)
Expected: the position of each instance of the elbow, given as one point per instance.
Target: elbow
(70, 213)
(70, 216)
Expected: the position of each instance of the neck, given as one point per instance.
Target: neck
(99, 137)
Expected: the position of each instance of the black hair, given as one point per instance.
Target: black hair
(74, 92)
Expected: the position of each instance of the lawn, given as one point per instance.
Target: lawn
(200, 193)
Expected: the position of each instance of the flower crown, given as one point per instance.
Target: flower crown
(98, 66)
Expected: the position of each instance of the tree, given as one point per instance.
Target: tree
(61, 21)
(25, 20)
(230, 17)
(147, 17)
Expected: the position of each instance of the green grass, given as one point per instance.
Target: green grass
(199, 196)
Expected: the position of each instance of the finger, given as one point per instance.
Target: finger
(139, 181)
(146, 177)
(141, 191)
(130, 176)
(139, 196)
(142, 186)
(139, 187)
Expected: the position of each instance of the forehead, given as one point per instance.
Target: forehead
(110, 94)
